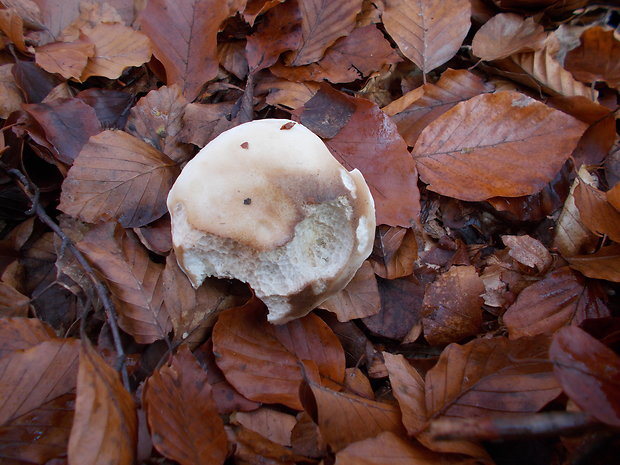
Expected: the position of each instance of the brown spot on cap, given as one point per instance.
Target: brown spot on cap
(245, 145)
(286, 126)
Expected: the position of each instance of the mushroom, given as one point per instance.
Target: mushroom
(266, 203)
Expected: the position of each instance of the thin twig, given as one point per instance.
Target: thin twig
(32, 192)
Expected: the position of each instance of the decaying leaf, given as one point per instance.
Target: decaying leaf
(528, 251)
(597, 57)
(598, 215)
(604, 264)
(22, 333)
(395, 251)
(65, 58)
(408, 386)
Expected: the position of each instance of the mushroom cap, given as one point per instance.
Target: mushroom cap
(265, 202)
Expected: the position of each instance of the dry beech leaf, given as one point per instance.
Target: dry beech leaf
(39, 435)
(252, 447)
(12, 25)
(418, 108)
(11, 96)
(117, 176)
(597, 58)
(604, 264)
(92, 14)
(183, 421)
(116, 47)
(184, 38)
(22, 333)
(271, 424)
(347, 60)
(12, 302)
(37, 375)
(505, 34)
(359, 299)
(491, 375)
(613, 196)
(68, 125)
(306, 438)
(135, 281)
(453, 306)
(259, 359)
(502, 144)
(157, 119)
(428, 32)
(394, 253)
(65, 58)
(284, 93)
(559, 299)
(322, 22)
(254, 8)
(203, 122)
(356, 382)
(346, 418)
(596, 213)
(529, 252)
(231, 56)
(105, 426)
(589, 373)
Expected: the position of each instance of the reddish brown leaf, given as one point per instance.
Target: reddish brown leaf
(283, 92)
(359, 299)
(68, 124)
(271, 424)
(505, 34)
(204, 122)
(183, 420)
(189, 52)
(118, 176)
(11, 96)
(596, 213)
(501, 144)
(322, 22)
(370, 142)
(561, 298)
(157, 120)
(604, 264)
(12, 25)
(418, 108)
(453, 306)
(65, 58)
(589, 373)
(254, 8)
(528, 251)
(135, 281)
(22, 333)
(429, 33)
(613, 196)
(597, 58)
(111, 106)
(252, 447)
(408, 387)
(346, 418)
(105, 423)
(35, 376)
(394, 253)
(12, 302)
(491, 376)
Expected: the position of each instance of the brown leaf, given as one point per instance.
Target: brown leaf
(105, 424)
(505, 34)
(12, 302)
(252, 447)
(254, 8)
(11, 96)
(394, 253)
(596, 213)
(286, 93)
(491, 375)
(604, 264)
(501, 144)
(157, 120)
(346, 418)
(39, 435)
(184, 423)
(135, 281)
(429, 33)
(453, 306)
(203, 122)
(90, 15)
(13, 27)
(370, 142)
(597, 58)
(345, 61)
(65, 58)
(613, 196)
(116, 47)
(271, 424)
(111, 106)
(322, 22)
(589, 372)
(118, 176)
(561, 298)
(35, 376)
(189, 54)
(68, 124)
(22, 333)
(528, 251)
(418, 108)
(359, 299)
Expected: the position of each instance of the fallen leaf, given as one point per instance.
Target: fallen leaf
(135, 281)
(252, 447)
(184, 423)
(322, 22)
(359, 299)
(281, 92)
(118, 176)
(12, 302)
(604, 264)
(501, 144)
(589, 373)
(105, 423)
(116, 47)
(597, 58)
(90, 15)
(613, 196)
(189, 54)
(11, 96)
(231, 56)
(559, 299)
(52, 16)
(528, 251)
(306, 438)
(505, 34)
(12, 25)
(34, 83)
(22, 333)
(419, 107)
(452, 307)
(429, 33)
(111, 106)
(65, 58)
(254, 8)
(203, 122)
(394, 253)
(271, 424)
(596, 213)
(356, 382)
(494, 375)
